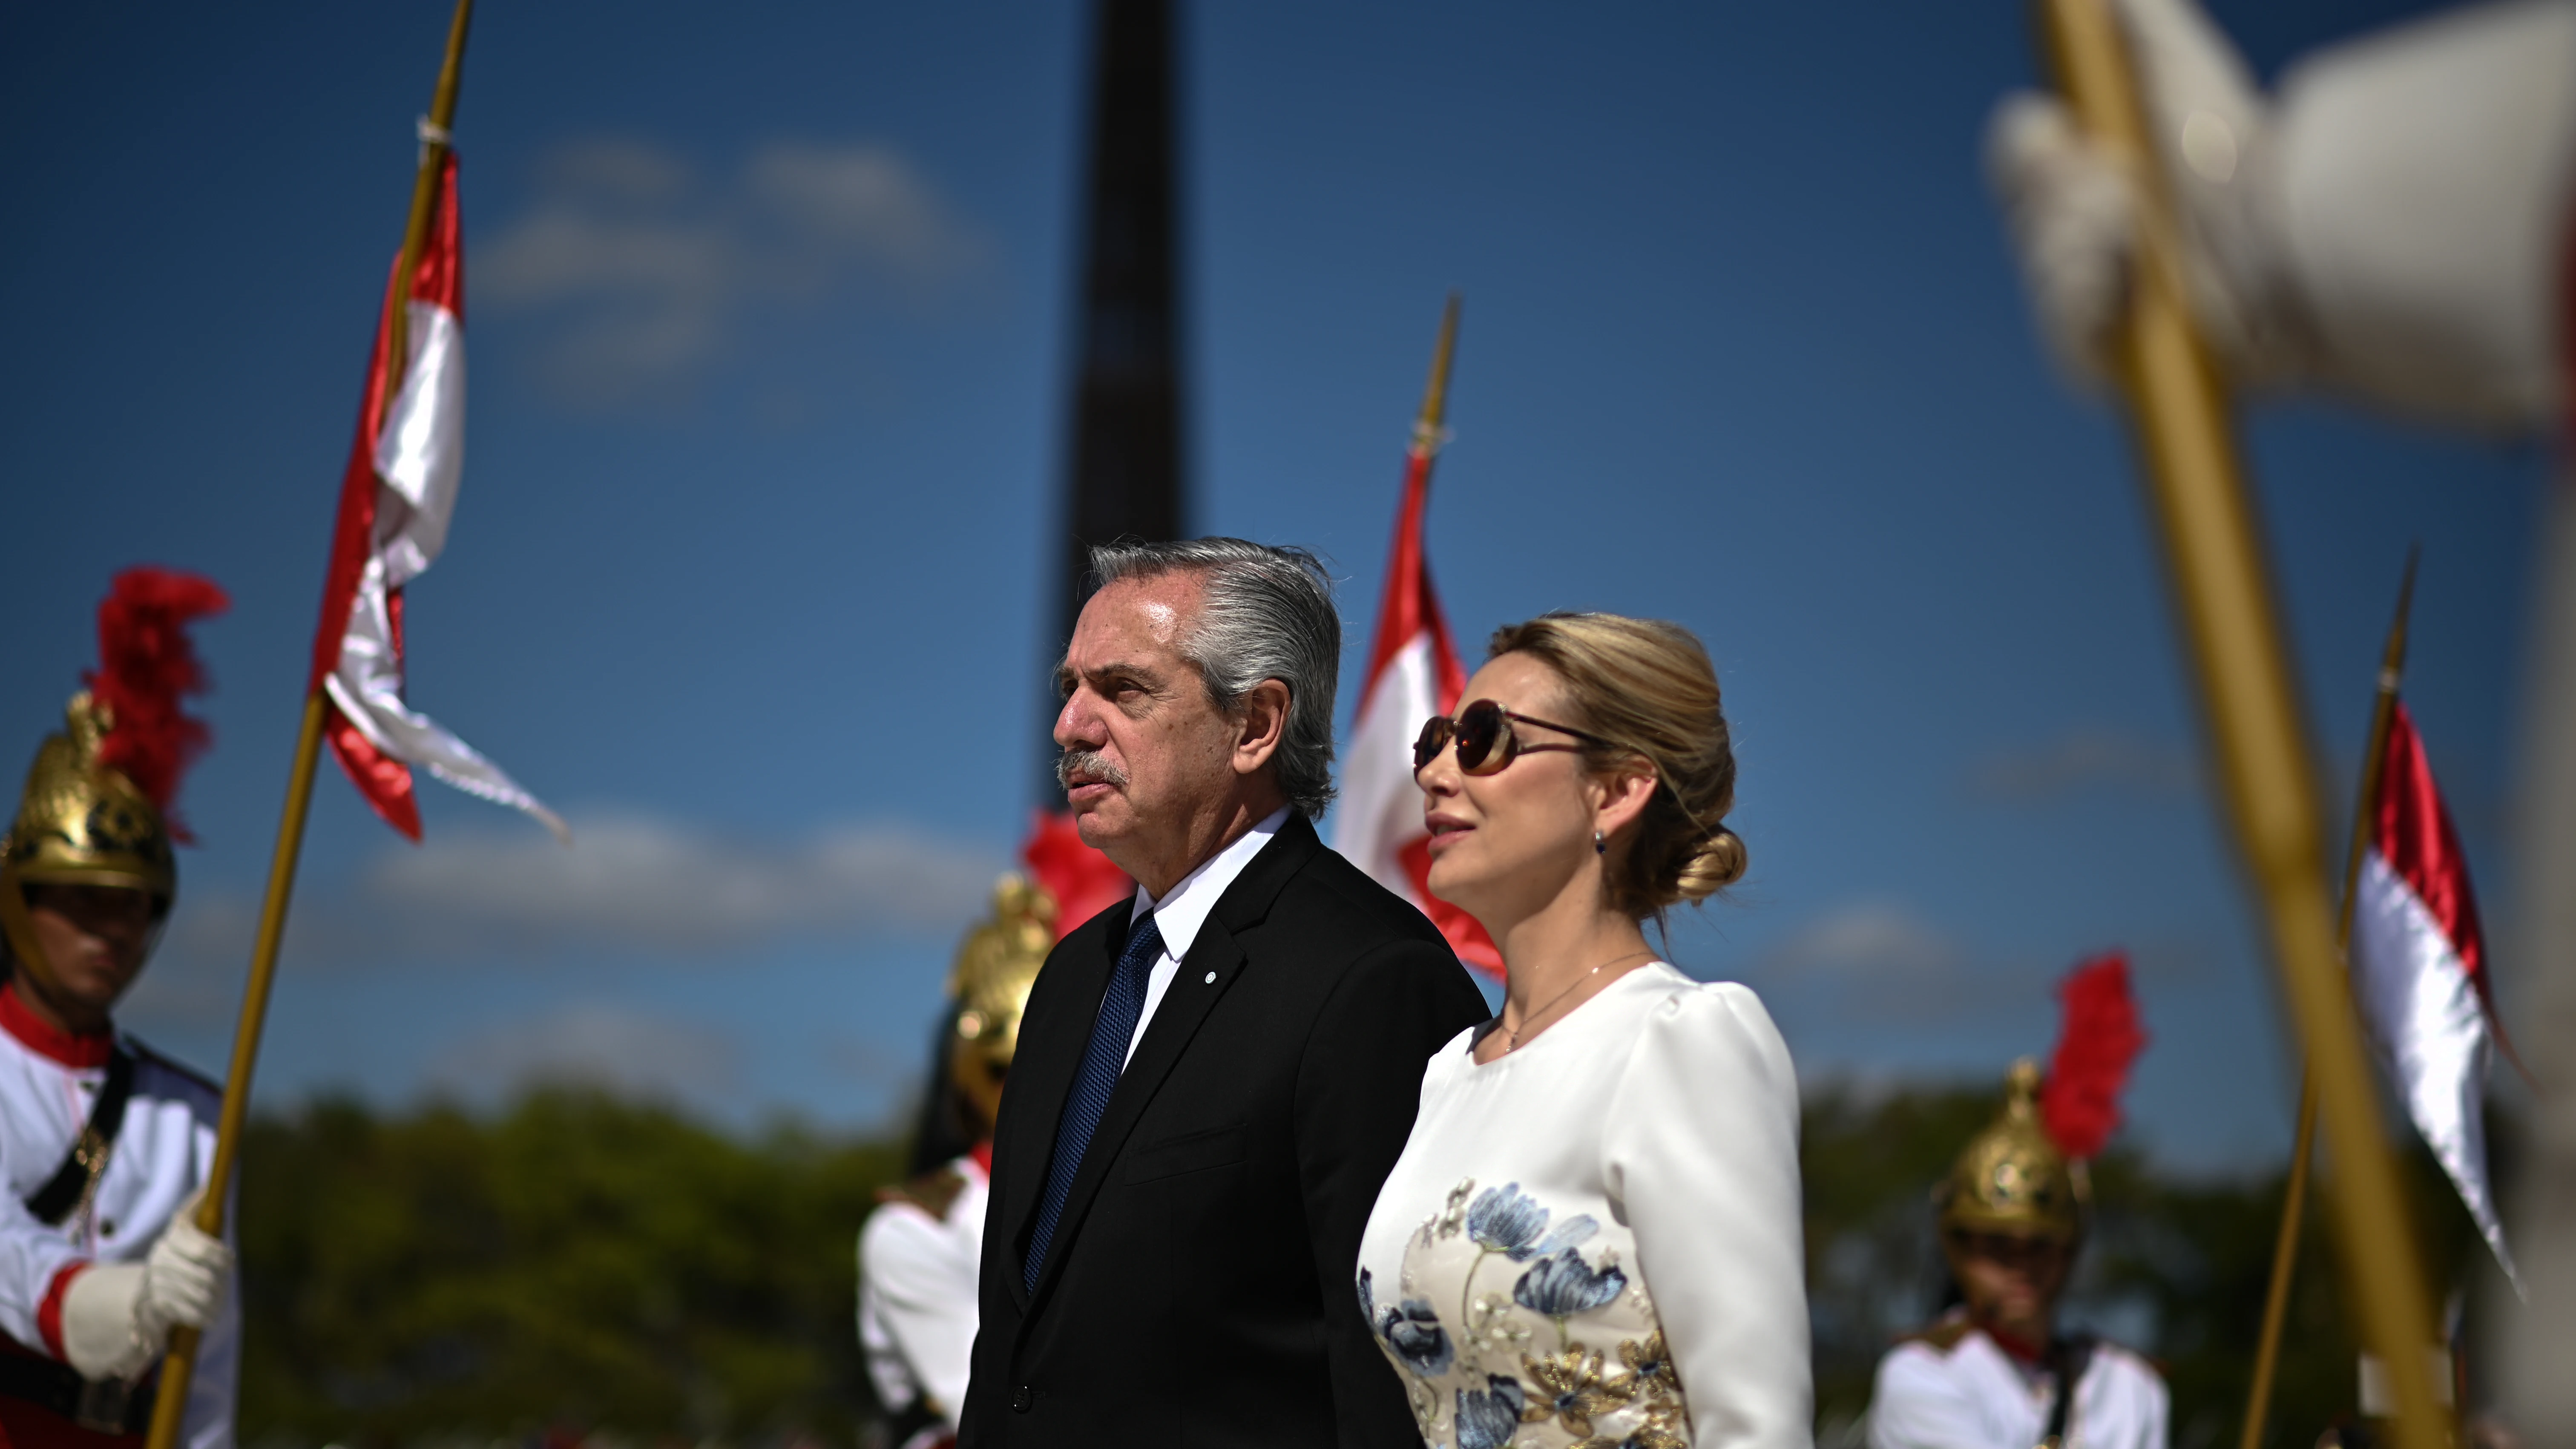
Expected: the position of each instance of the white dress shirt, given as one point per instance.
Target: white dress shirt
(1180, 914)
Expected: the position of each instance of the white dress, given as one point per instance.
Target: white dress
(1973, 1395)
(1595, 1239)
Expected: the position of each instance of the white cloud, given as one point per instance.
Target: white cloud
(642, 267)
(592, 1044)
(630, 883)
(2083, 758)
(1866, 938)
(1874, 961)
(865, 200)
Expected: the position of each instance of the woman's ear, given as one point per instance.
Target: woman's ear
(1621, 797)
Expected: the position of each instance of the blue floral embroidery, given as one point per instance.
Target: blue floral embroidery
(1488, 1420)
(1508, 1221)
(1411, 1330)
(1561, 1285)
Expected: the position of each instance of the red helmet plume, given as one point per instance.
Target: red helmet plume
(146, 667)
(1082, 880)
(2080, 1104)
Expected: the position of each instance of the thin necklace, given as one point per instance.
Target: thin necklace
(1553, 1001)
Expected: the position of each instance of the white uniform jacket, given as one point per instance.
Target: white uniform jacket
(918, 1259)
(48, 1081)
(1973, 1395)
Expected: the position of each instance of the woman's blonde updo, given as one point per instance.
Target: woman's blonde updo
(1648, 686)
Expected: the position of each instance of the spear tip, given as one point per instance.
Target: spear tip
(1435, 397)
(2393, 662)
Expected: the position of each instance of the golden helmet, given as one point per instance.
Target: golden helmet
(96, 808)
(996, 965)
(81, 822)
(2012, 1178)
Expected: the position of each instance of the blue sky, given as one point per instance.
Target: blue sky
(768, 313)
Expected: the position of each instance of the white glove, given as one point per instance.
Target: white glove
(183, 1277)
(117, 1317)
(102, 1336)
(2393, 227)
(2073, 208)
(2073, 217)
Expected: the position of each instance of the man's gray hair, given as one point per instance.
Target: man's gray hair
(1267, 613)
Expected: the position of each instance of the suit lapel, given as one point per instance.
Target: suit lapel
(1177, 1018)
(1042, 1072)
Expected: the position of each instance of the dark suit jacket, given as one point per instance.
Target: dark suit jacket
(1198, 1290)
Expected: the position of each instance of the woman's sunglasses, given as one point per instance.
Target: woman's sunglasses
(1485, 738)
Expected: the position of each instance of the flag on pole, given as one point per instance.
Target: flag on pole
(1413, 674)
(395, 500)
(2419, 968)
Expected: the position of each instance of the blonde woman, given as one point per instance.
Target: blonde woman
(1592, 1237)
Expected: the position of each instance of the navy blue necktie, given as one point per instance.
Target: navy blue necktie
(1102, 1061)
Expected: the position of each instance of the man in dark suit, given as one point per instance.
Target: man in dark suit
(1214, 1078)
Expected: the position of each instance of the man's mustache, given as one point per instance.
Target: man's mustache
(1087, 762)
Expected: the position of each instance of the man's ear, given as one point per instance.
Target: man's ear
(1261, 722)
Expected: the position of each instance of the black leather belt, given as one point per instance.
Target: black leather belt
(77, 1178)
(105, 1406)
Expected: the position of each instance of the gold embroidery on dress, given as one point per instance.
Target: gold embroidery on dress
(1649, 1435)
(1572, 1390)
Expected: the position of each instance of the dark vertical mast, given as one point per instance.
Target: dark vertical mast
(1123, 470)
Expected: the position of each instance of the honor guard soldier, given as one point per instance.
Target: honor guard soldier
(104, 1144)
(920, 1252)
(1997, 1371)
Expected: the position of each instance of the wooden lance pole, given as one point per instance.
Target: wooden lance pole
(1435, 396)
(2222, 590)
(2365, 810)
(180, 1366)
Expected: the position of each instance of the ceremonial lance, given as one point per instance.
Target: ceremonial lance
(180, 1366)
(2229, 619)
(2285, 1250)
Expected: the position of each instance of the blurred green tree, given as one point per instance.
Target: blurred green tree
(577, 1265)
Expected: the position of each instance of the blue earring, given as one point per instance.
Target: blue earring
(1599, 845)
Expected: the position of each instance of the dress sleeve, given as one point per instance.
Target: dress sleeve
(1700, 1154)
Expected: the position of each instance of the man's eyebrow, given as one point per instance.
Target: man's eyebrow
(1142, 672)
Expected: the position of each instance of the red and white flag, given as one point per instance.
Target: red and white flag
(2419, 969)
(395, 501)
(1413, 675)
